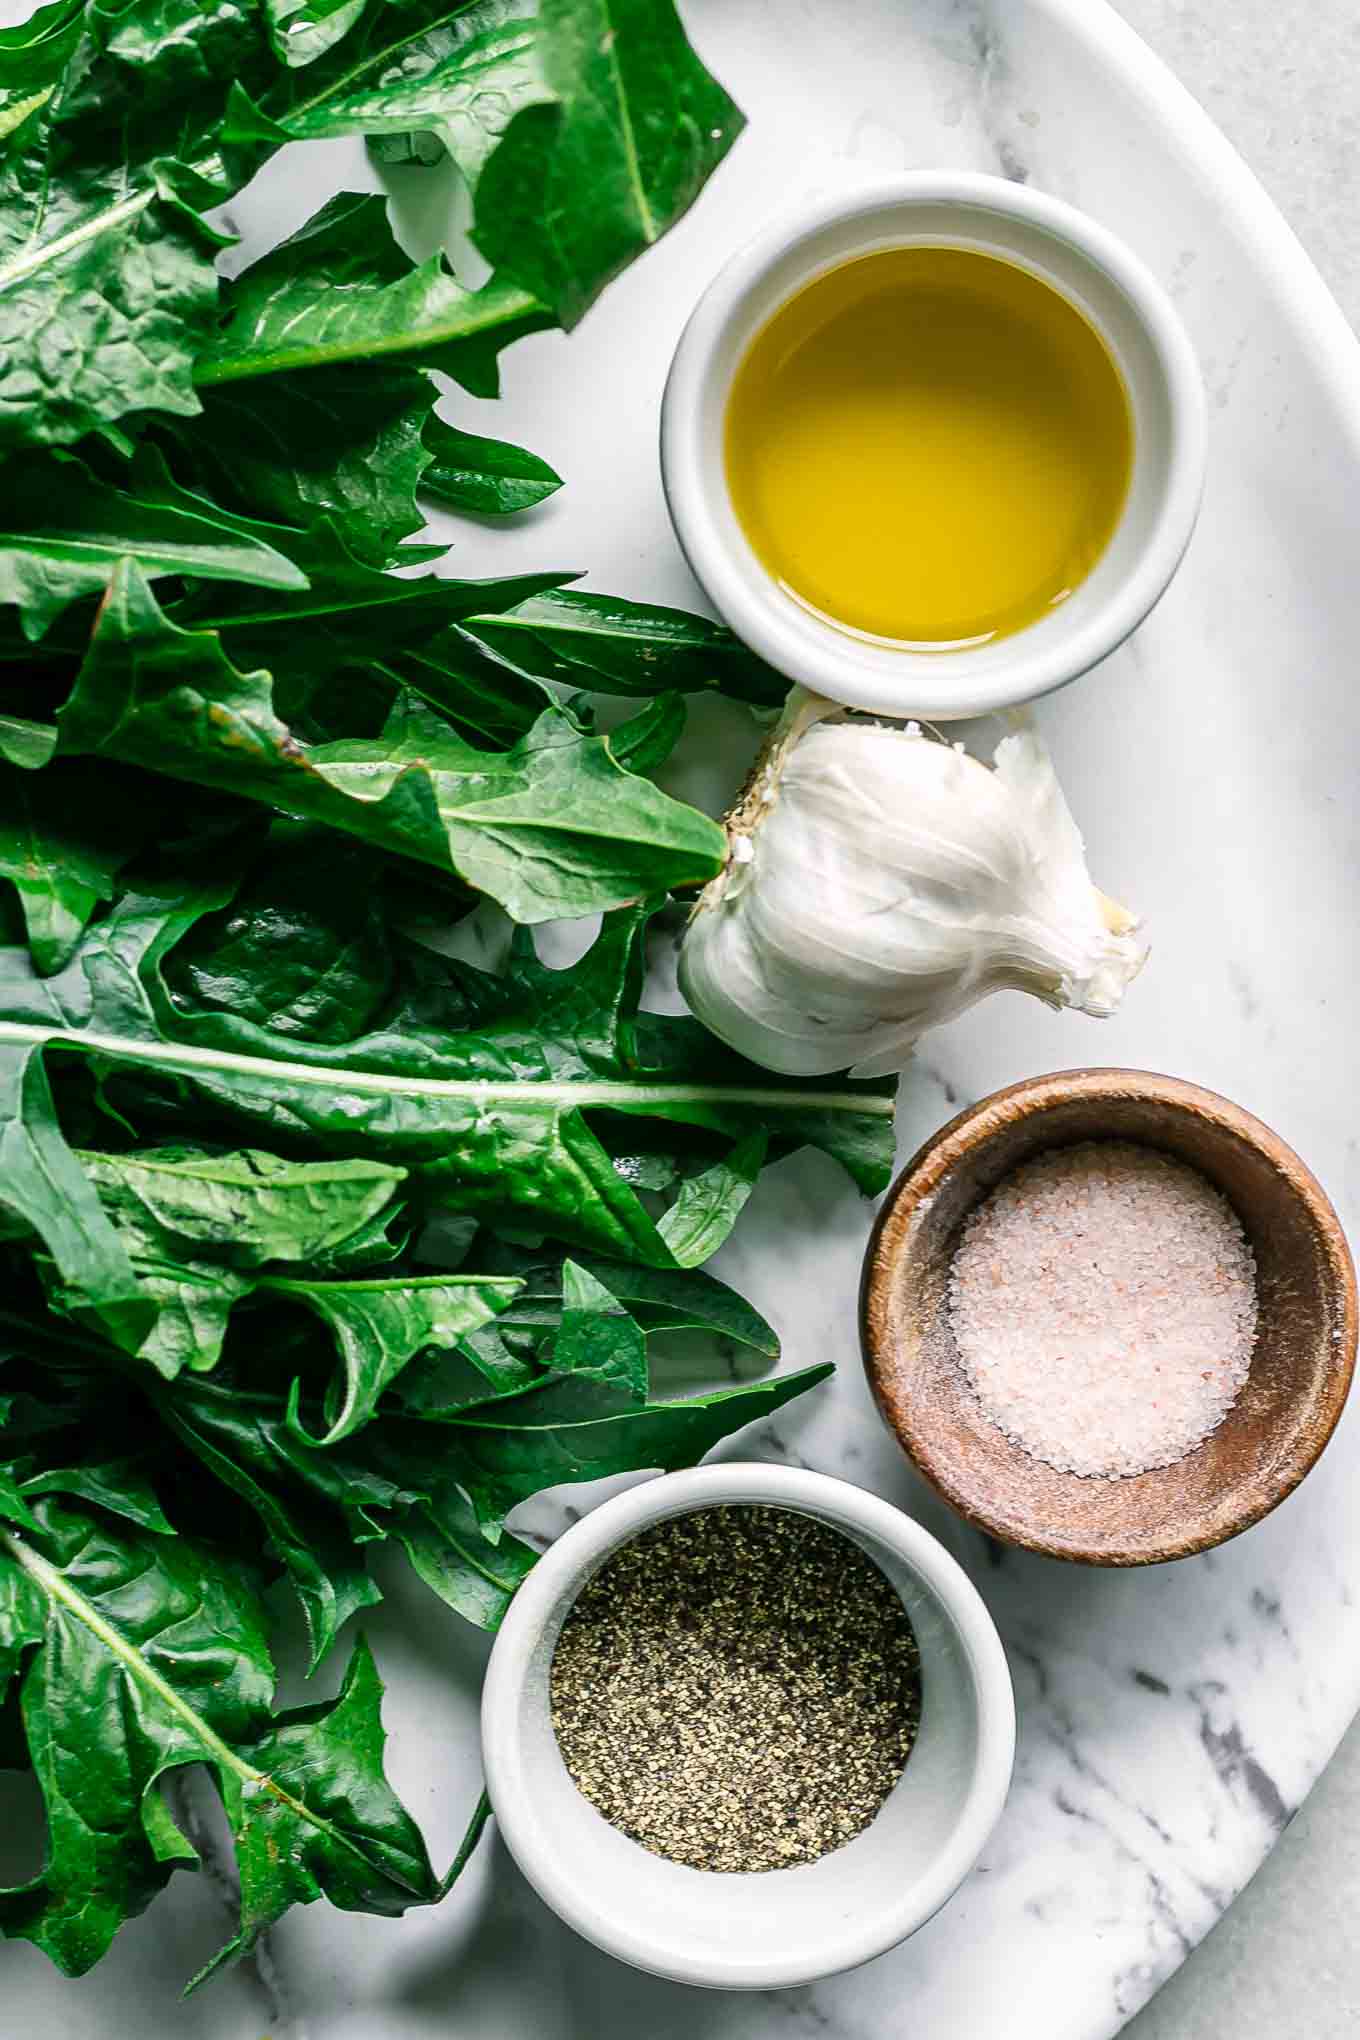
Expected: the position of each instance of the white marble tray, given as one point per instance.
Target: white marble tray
(1170, 1720)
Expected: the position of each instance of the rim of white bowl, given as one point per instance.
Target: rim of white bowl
(946, 685)
(586, 1545)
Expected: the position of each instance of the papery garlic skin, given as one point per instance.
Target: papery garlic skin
(879, 882)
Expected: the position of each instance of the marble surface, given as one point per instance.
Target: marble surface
(1285, 1958)
(1289, 102)
(1170, 1720)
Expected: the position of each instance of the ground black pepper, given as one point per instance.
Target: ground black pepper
(737, 1689)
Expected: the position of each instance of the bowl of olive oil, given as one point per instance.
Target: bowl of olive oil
(936, 447)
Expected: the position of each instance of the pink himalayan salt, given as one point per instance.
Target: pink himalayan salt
(1103, 1302)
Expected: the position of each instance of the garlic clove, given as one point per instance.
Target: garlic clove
(880, 883)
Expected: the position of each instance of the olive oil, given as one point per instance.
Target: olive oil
(930, 446)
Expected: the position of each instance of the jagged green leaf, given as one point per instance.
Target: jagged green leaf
(340, 290)
(633, 118)
(661, 1300)
(597, 1339)
(319, 1552)
(459, 73)
(474, 1577)
(553, 826)
(304, 946)
(620, 647)
(65, 834)
(107, 166)
(44, 1190)
(120, 1486)
(500, 1094)
(345, 442)
(554, 1434)
(312, 1815)
(487, 477)
(198, 1229)
(303, 30)
(63, 531)
(149, 1652)
(646, 740)
(487, 701)
(380, 1324)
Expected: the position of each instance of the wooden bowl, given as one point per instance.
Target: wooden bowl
(1300, 1368)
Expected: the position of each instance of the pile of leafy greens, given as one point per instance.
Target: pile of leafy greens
(314, 1238)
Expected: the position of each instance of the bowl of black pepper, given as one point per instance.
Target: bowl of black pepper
(747, 1726)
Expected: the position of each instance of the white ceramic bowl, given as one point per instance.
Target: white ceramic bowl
(1078, 258)
(778, 1927)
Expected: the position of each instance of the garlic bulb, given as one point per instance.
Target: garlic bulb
(879, 881)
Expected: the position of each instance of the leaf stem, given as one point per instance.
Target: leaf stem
(620, 1097)
(478, 1565)
(285, 1286)
(59, 1589)
(481, 1814)
(38, 254)
(376, 58)
(412, 339)
(628, 134)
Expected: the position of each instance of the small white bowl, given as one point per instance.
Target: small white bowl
(1087, 265)
(774, 1928)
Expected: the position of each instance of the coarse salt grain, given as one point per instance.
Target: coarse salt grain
(1103, 1304)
